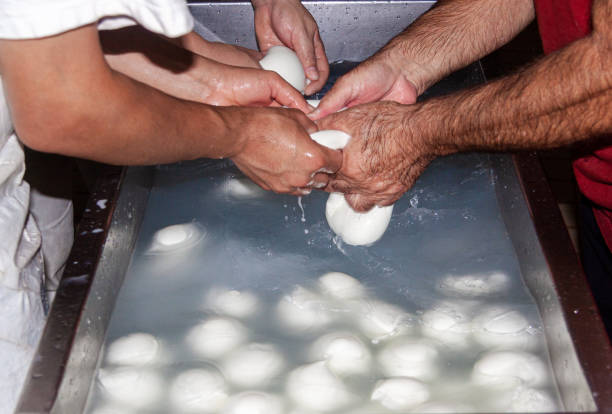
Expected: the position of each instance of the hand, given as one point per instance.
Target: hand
(277, 153)
(234, 55)
(378, 78)
(288, 23)
(385, 156)
(223, 85)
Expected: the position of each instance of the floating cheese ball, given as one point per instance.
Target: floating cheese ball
(134, 349)
(410, 357)
(135, 387)
(509, 369)
(444, 408)
(355, 228)
(176, 237)
(530, 400)
(231, 302)
(285, 62)
(216, 337)
(399, 394)
(314, 387)
(304, 310)
(447, 323)
(242, 188)
(341, 286)
(198, 391)
(109, 409)
(253, 402)
(253, 365)
(475, 285)
(379, 320)
(504, 328)
(344, 352)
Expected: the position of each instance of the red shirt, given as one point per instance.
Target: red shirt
(562, 22)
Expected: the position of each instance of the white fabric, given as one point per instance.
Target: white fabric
(35, 229)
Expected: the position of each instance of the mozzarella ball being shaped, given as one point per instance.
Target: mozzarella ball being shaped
(285, 62)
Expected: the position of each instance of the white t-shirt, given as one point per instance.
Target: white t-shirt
(35, 230)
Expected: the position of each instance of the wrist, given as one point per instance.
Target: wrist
(235, 121)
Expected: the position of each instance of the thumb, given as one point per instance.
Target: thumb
(332, 160)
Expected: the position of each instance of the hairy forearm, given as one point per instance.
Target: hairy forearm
(564, 98)
(453, 34)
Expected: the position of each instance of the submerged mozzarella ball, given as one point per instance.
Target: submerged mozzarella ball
(530, 400)
(216, 336)
(253, 365)
(380, 320)
(198, 391)
(133, 386)
(314, 387)
(407, 357)
(345, 353)
(448, 324)
(133, 349)
(304, 310)
(236, 303)
(252, 402)
(285, 62)
(242, 188)
(340, 286)
(175, 237)
(476, 285)
(356, 229)
(501, 327)
(399, 394)
(507, 369)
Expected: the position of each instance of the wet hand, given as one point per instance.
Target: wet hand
(377, 78)
(288, 23)
(224, 85)
(385, 155)
(277, 153)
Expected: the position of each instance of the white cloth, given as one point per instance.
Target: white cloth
(35, 229)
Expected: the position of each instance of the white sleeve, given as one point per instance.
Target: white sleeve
(29, 19)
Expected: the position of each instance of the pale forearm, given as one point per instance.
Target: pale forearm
(564, 98)
(453, 34)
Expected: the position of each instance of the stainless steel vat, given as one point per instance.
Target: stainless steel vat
(351, 30)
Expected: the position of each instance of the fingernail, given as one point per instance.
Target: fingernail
(312, 73)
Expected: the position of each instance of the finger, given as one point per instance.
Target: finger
(332, 160)
(333, 121)
(322, 66)
(337, 98)
(305, 50)
(359, 203)
(339, 186)
(287, 95)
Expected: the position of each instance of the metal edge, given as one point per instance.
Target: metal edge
(73, 314)
(578, 309)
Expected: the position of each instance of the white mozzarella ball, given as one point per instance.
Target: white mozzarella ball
(507, 369)
(133, 349)
(476, 285)
(407, 357)
(355, 228)
(340, 286)
(175, 237)
(242, 188)
(345, 353)
(448, 324)
(331, 138)
(313, 102)
(236, 303)
(399, 394)
(530, 400)
(253, 365)
(314, 387)
(444, 408)
(504, 328)
(285, 62)
(380, 320)
(216, 336)
(303, 310)
(133, 386)
(253, 402)
(198, 391)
